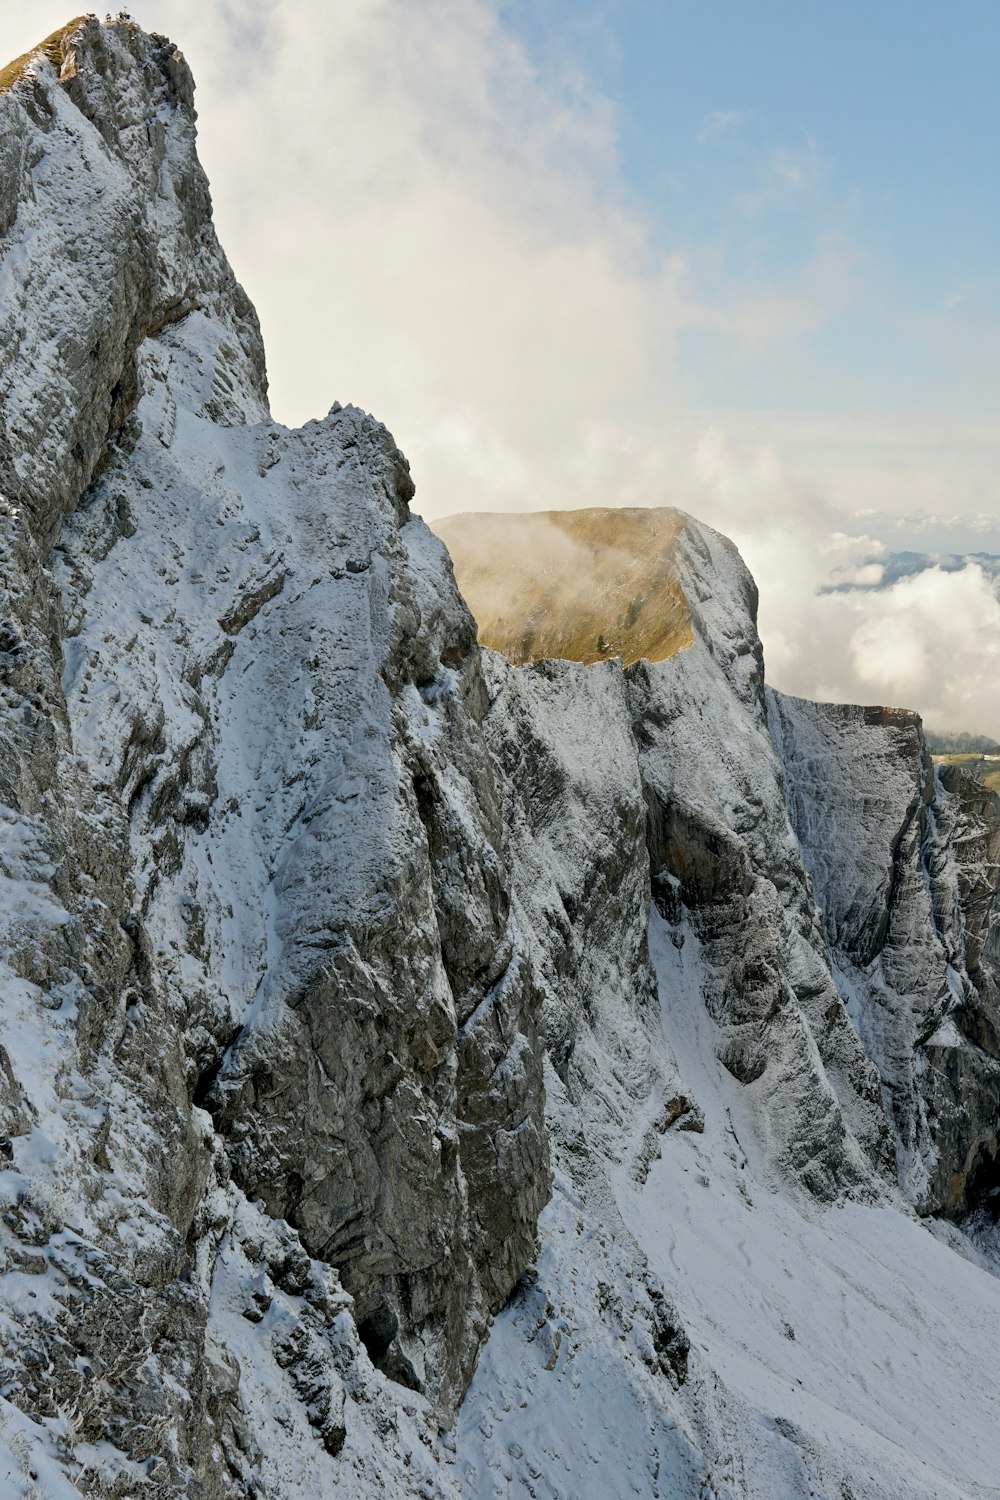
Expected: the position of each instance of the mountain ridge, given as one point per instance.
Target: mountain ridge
(421, 1074)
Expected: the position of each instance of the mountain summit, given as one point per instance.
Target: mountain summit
(580, 585)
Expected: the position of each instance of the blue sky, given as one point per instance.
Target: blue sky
(770, 131)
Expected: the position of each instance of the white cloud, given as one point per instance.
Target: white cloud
(934, 638)
(793, 169)
(867, 576)
(431, 228)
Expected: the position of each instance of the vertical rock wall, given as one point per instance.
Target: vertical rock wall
(257, 937)
(903, 860)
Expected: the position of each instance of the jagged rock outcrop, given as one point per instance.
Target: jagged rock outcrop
(257, 938)
(842, 891)
(905, 866)
(718, 826)
(662, 779)
(794, 855)
(106, 221)
(715, 1042)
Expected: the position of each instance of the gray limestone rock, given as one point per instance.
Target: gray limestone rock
(904, 860)
(258, 935)
(721, 845)
(101, 179)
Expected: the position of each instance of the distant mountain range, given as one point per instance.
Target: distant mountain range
(899, 565)
(960, 744)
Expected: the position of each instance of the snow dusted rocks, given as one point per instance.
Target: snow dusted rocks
(662, 779)
(905, 872)
(731, 1062)
(709, 1082)
(107, 238)
(563, 736)
(843, 893)
(720, 829)
(257, 928)
(302, 896)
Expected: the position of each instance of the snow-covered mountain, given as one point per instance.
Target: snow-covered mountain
(422, 1075)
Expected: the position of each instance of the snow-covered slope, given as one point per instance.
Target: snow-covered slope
(734, 1295)
(834, 1350)
(323, 933)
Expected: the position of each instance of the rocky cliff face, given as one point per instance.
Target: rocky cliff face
(259, 935)
(809, 1009)
(905, 873)
(323, 930)
(842, 889)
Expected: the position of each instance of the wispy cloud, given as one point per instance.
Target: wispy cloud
(915, 632)
(783, 173)
(720, 122)
(753, 315)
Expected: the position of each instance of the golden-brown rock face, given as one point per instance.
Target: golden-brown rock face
(582, 585)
